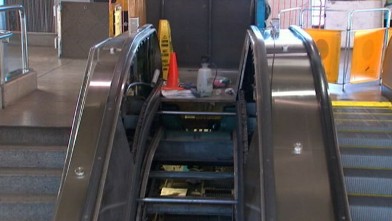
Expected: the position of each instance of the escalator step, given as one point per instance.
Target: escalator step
(367, 158)
(362, 116)
(183, 200)
(368, 182)
(360, 126)
(191, 175)
(190, 136)
(192, 210)
(210, 152)
(364, 142)
(361, 110)
(366, 208)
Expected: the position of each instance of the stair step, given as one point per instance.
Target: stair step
(361, 116)
(370, 127)
(216, 153)
(191, 210)
(367, 208)
(191, 175)
(364, 142)
(29, 180)
(208, 201)
(361, 110)
(32, 156)
(17, 135)
(190, 136)
(367, 158)
(368, 182)
(18, 207)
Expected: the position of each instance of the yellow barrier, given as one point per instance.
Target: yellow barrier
(328, 44)
(367, 54)
(165, 43)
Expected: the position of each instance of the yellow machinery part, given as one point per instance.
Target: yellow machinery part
(367, 55)
(165, 43)
(328, 44)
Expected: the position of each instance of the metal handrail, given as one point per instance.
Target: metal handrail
(81, 191)
(302, 23)
(348, 37)
(23, 33)
(263, 99)
(291, 10)
(351, 14)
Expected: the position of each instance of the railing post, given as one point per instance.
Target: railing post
(23, 40)
(23, 33)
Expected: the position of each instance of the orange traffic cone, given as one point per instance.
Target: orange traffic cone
(172, 75)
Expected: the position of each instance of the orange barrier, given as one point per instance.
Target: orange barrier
(172, 75)
(328, 44)
(367, 55)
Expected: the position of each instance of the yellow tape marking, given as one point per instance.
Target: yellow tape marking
(361, 104)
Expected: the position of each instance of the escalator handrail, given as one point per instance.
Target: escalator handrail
(263, 99)
(335, 170)
(92, 190)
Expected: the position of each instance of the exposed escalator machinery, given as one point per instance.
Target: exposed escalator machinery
(192, 159)
(245, 156)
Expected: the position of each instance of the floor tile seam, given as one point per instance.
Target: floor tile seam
(51, 70)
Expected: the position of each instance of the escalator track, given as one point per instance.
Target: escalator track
(205, 186)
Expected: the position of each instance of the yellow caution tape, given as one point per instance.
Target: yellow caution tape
(165, 43)
(361, 104)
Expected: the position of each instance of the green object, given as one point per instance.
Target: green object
(388, 3)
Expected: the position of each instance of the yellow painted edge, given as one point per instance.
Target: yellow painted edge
(361, 104)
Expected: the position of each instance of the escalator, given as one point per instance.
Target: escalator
(364, 135)
(268, 152)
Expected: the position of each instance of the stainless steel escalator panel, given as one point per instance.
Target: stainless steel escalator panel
(301, 171)
(96, 117)
(78, 173)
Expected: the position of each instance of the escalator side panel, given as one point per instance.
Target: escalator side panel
(308, 175)
(95, 122)
(114, 199)
(259, 181)
(252, 168)
(302, 182)
(335, 171)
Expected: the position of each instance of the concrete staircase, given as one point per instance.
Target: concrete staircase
(31, 163)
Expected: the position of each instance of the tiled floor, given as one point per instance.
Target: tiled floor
(54, 102)
(357, 92)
